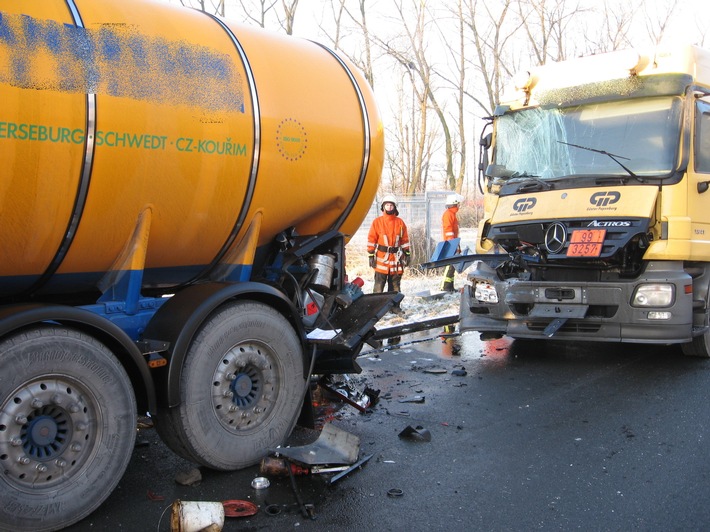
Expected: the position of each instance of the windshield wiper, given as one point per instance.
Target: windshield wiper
(527, 185)
(612, 156)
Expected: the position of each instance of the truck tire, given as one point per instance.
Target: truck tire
(67, 427)
(698, 347)
(241, 388)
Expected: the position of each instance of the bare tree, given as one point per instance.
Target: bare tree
(613, 32)
(545, 23)
(289, 15)
(366, 63)
(196, 4)
(702, 30)
(413, 57)
(460, 96)
(256, 11)
(657, 25)
(215, 7)
(338, 12)
(457, 51)
(260, 11)
(490, 37)
(360, 50)
(411, 146)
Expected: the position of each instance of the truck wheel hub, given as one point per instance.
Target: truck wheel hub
(43, 437)
(245, 387)
(246, 381)
(46, 443)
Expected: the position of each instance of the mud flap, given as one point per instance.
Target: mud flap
(339, 338)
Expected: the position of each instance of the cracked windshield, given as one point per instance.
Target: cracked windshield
(630, 138)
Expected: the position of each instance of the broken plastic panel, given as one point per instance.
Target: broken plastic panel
(333, 446)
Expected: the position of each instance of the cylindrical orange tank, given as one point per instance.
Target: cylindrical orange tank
(136, 125)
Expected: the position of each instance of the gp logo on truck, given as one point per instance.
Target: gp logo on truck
(524, 205)
(604, 199)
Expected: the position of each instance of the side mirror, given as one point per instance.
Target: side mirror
(484, 145)
(498, 170)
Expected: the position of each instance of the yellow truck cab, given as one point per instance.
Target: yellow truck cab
(597, 209)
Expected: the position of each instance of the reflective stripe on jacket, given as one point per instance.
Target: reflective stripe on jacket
(450, 223)
(388, 238)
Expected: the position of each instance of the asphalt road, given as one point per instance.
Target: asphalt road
(534, 436)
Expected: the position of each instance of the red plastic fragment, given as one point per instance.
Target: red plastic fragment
(236, 508)
(154, 496)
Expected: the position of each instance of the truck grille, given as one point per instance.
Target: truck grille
(570, 326)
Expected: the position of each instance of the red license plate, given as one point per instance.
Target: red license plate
(586, 243)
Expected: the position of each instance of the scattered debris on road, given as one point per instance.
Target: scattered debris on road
(418, 434)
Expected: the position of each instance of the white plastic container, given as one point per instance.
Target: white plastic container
(193, 516)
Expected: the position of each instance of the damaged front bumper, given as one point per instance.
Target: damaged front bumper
(599, 311)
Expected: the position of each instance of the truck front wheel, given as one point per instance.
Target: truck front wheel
(67, 427)
(241, 388)
(698, 347)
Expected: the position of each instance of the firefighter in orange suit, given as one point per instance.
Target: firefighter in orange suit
(388, 248)
(450, 230)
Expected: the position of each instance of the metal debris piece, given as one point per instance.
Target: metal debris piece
(278, 467)
(333, 446)
(373, 394)
(415, 434)
(259, 483)
(428, 295)
(350, 469)
(436, 371)
(412, 399)
(307, 509)
(344, 388)
(320, 470)
(393, 341)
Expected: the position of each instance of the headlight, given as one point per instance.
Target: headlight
(485, 292)
(653, 295)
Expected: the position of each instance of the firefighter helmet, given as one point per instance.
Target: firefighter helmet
(452, 199)
(389, 198)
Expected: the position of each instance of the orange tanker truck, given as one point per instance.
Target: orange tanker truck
(176, 192)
